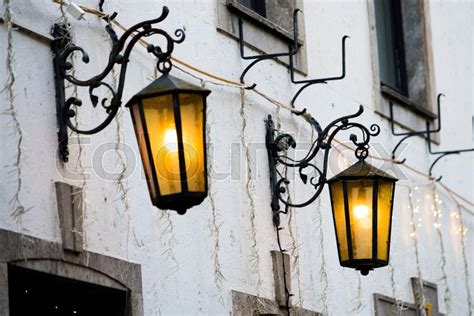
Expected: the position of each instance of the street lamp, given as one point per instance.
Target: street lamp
(361, 196)
(362, 204)
(168, 115)
(169, 120)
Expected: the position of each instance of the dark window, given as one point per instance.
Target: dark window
(390, 39)
(255, 5)
(37, 293)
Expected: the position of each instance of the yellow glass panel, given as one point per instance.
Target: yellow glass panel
(192, 108)
(360, 212)
(383, 218)
(140, 134)
(160, 123)
(337, 201)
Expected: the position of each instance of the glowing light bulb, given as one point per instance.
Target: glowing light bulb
(361, 211)
(171, 140)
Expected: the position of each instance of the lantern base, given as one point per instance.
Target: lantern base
(180, 202)
(364, 266)
(365, 272)
(181, 211)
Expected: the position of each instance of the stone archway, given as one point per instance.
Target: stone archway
(49, 257)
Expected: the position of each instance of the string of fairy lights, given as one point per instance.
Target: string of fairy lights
(437, 213)
(414, 193)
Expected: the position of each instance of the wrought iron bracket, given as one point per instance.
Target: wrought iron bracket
(441, 154)
(407, 135)
(292, 49)
(278, 142)
(309, 82)
(63, 50)
(428, 131)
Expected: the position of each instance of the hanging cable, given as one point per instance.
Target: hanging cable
(235, 84)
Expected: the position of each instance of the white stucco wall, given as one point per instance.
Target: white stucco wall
(177, 252)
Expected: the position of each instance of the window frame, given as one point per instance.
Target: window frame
(275, 37)
(258, 6)
(262, 21)
(408, 114)
(398, 45)
(49, 257)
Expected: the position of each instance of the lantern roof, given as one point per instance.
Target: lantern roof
(362, 170)
(167, 84)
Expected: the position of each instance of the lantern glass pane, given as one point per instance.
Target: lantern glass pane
(141, 139)
(192, 110)
(359, 194)
(160, 123)
(384, 209)
(337, 201)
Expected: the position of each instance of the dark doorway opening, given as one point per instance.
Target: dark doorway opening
(37, 293)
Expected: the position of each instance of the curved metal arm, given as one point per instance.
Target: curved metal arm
(120, 54)
(438, 159)
(322, 141)
(407, 135)
(292, 50)
(278, 142)
(441, 153)
(309, 82)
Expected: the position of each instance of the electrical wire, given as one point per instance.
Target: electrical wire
(236, 84)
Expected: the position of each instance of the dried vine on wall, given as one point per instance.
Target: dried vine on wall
(462, 230)
(120, 181)
(293, 233)
(399, 306)
(436, 202)
(323, 275)
(215, 222)
(16, 169)
(358, 302)
(254, 255)
(414, 225)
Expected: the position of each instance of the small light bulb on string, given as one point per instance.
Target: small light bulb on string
(464, 231)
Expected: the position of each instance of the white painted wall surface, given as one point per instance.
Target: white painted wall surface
(176, 253)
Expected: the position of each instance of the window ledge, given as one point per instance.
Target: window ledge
(407, 114)
(407, 103)
(261, 21)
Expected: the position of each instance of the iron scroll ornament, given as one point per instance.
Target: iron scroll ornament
(122, 46)
(277, 143)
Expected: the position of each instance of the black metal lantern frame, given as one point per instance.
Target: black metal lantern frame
(383, 188)
(361, 196)
(63, 49)
(173, 87)
(278, 142)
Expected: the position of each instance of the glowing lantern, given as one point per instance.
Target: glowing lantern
(169, 117)
(362, 204)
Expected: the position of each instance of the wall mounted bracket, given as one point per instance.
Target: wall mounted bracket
(407, 135)
(428, 131)
(441, 153)
(278, 142)
(63, 49)
(309, 82)
(292, 49)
